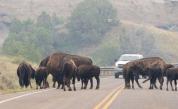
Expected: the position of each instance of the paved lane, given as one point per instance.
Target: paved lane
(55, 99)
(109, 96)
(146, 99)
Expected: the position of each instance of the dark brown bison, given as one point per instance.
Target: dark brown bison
(44, 62)
(154, 67)
(80, 60)
(55, 64)
(41, 75)
(172, 74)
(87, 72)
(69, 72)
(154, 73)
(25, 72)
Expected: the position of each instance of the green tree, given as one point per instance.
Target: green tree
(91, 20)
(44, 20)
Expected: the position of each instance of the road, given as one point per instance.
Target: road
(111, 95)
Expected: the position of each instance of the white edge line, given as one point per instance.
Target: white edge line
(24, 95)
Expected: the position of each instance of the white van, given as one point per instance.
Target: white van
(125, 58)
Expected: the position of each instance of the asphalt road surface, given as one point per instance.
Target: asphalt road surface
(111, 95)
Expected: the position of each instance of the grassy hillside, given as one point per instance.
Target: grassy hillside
(158, 43)
(139, 11)
(8, 77)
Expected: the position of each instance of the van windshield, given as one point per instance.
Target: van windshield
(128, 58)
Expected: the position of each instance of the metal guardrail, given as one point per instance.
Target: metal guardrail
(107, 71)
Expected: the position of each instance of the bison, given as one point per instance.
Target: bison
(55, 64)
(154, 67)
(69, 72)
(87, 72)
(44, 62)
(25, 72)
(41, 75)
(172, 74)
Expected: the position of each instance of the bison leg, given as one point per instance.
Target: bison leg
(161, 80)
(91, 83)
(44, 83)
(138, 83)
(171, 85)
(127, 80)
(59, 84)
(73, 82)
(167, 84)
(175, 82)
(98, 82)
(54, 82)
(127, 83)
(86, 83)
(132, 80)
(82, 82)
(136, 76)
(151, 83)
(155, 86)
(63, 85)
(68, 85)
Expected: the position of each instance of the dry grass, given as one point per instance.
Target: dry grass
(165, 41)
(8, 77)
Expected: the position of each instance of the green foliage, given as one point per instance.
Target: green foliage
(105, 55)
(31, 40)
(91, 20)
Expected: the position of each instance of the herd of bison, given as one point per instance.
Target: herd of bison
(66, 68)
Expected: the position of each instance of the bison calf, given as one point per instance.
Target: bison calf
(87, 72)
(172, 74)
(41, 75)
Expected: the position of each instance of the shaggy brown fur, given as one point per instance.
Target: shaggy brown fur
(154, 67)
(41, 75)
(25, 72)
(87, 72)
(172, 74)
(55, 64)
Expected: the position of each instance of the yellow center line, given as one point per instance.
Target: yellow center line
(106, 106)
(106, 102)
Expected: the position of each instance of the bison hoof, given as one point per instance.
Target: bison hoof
(151, 88)
(97, 87)
(70, 89)
(167, 89)
(126, 87)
